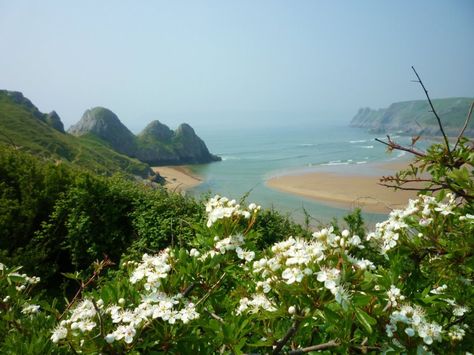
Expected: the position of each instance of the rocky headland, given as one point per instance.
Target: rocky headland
(416, 118)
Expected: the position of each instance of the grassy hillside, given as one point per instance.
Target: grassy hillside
(21, 128)
(415, 117)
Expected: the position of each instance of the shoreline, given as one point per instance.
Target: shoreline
(347, 187)
(178, 178)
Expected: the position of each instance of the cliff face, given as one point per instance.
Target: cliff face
(156, 145)
(105, 124)
(159, 145)
(415, 117)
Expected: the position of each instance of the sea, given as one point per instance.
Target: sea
(252, 155)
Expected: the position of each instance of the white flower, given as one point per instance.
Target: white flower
(459, 311)
(125, 332)
(291, 310)
(59, 333)
(394, 295)
(265, 286)
(330, 277)
(292, 275)
(355, 241)
(30, 309)
(456, 333)
(439, 290)
(410, 332)
(194, 253)
(430, 332)
(258, 302)
(423, 222)
(245, 254)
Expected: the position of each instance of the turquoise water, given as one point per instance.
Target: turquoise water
(250, 156)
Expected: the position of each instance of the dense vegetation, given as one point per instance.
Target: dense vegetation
(126, 267)
(159, 272)
(22, 126)
(55, 218)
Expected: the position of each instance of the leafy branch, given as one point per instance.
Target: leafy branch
(446, 168)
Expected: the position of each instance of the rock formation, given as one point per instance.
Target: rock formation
(157, 144)
(415, 117)
(105, 124)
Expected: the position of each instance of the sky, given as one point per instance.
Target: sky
(245, 62)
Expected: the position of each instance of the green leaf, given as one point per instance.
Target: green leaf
(365, 320)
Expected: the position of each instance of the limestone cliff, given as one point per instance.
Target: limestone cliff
(105, 124)
(415, 117)
(157, 144)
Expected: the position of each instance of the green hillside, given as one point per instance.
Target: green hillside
(415, 117)
(24, 127)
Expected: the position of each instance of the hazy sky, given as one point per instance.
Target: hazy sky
(222, 62)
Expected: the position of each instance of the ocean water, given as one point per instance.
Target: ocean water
(250, 156)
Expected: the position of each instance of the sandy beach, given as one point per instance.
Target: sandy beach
(347, 188)
(178, 178)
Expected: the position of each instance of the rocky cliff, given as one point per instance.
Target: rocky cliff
(156, 145)
(105, 124)
(415, 117)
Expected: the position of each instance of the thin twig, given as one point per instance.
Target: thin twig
(324, 346)
(411, 188)
(465, 125)
(393, 145)
(435, 113)
(101, 323)
(104, 263)
(210, 290)
(188, 289)
(289, 334)
(215, 316)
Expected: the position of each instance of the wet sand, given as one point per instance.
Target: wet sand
(347, 187)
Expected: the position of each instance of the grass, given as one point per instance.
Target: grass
(20, 128)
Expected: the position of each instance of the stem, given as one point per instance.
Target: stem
(465, 125)
(289, 334)
(435, 113)
(324, 346)
(394, 145)
(210, 290)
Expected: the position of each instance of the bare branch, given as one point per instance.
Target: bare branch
(324, 346)
(433, 189)
(98, 269)
(211, 290)
(435, 113)
(465, 125)
(188, 289)
(289, 334)
(393, 145)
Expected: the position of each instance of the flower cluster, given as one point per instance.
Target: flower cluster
(21, 281)
(423, 210)
(258, 302)
(296, 258)
(154, 304)
(152, 269)
(218, 208)
(414, 321)
(81, 320)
